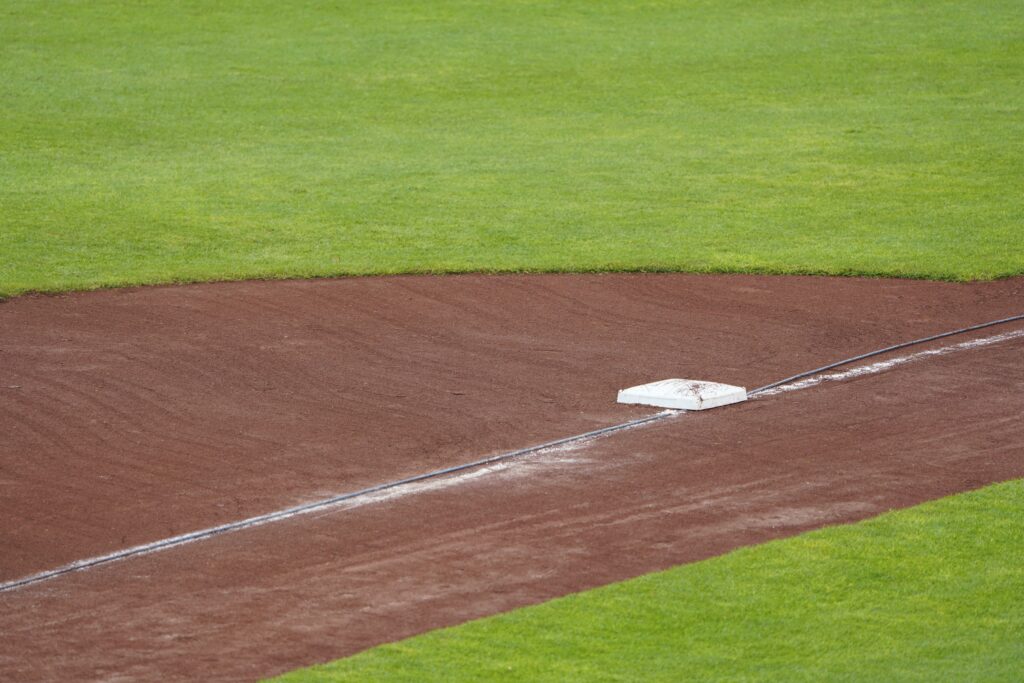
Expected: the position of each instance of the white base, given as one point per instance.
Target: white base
(683, 394)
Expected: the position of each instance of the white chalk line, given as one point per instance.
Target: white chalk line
(507, 468)
(348, 501)
(330, 504)
(882, 366)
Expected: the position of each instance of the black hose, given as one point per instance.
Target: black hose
(318, 504)
(887, 349)
(334, 500)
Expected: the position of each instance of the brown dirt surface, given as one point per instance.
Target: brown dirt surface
(127, 416)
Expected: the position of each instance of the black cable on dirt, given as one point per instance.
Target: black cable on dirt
(879, 352)
(259, 520)
(378, 488)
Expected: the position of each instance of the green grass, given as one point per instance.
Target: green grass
(170, 141)
(930, 593)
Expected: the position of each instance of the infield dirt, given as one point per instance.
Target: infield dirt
(132, 415)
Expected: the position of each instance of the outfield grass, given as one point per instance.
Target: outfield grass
(930, 593)
(169, 141)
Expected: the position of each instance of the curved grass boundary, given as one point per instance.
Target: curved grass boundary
(934, 592)
(188, 141)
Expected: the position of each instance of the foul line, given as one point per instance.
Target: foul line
(884, 365)
(334, 501)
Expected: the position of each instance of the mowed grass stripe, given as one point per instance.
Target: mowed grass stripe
(927, 593)
(176, 141)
